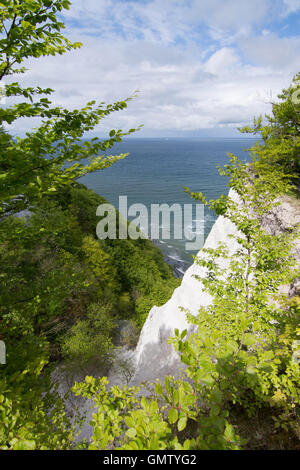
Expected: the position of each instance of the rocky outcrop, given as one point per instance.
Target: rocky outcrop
(282, 218)
(154, 356)
(295, 288)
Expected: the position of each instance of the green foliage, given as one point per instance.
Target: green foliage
(143, 273)
(280, 133)
(52, 155)
(243, 350)
(61, 295)
(126, 421)
(31, 29)
(90, 339)
(53, 274)
(125, 305)
(123, 418)
(29, 423)
(101, 265)
(83, 202)
(32, 419)
(39, 267)
(160, 292)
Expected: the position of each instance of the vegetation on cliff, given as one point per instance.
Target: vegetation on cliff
(280, 134)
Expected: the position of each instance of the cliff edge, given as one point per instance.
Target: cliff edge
(154, 357)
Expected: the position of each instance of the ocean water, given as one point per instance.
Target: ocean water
(155, 172)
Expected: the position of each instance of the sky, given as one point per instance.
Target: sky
(201, 67)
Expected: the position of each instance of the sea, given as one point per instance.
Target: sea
(156, 172)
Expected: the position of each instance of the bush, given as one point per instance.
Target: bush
(89, 341)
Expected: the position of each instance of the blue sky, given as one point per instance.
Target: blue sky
(202, 67)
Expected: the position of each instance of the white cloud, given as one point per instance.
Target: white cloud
(197, 64)
(271, 50)
(222, 62)
(292, 5)
(169, 20)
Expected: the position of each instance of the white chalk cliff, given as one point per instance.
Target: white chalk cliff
(153, 356)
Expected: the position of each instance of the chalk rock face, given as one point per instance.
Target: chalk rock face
(154, 357)
(295, 288)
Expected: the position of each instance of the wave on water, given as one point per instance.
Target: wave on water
(176, 258)
(173, 257)
(151, 176)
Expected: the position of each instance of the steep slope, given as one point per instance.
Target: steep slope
(154, 357)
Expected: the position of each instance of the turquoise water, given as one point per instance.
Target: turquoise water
(156, 170)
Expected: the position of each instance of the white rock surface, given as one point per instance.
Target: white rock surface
(154, 357)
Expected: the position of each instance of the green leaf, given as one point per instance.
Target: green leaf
(129, 421)
(159, 389)
(183, 334)
(173, 416)
(182, 423)
(249, 339)
(131, 433)
(144, 403)
(168, 385)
